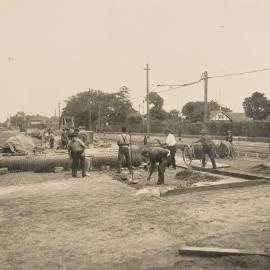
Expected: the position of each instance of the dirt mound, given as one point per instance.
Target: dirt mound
(192, 175)
(22, 142)
(261, 168)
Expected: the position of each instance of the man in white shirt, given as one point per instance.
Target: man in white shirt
(171, 145)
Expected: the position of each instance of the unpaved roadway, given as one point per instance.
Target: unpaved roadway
(100, 223)
(243, 146)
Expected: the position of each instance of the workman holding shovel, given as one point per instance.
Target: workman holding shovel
(76, 151)
(157, 155)
(207, 148)
(123, 141)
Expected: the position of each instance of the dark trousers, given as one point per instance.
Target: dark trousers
(64, 143)
(210, 152)
(161, 169)
(51, 141)
(162, 164)
(172, 160)
(123, 153)
(77, 158)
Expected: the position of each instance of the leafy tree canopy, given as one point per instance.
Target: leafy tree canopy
(156, 99)
(157, 112)
(114, 107)
(257, 106)
(174, 114)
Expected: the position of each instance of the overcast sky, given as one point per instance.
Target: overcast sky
(53, 49)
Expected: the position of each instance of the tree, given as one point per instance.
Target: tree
(114, 107)
(157, 111)
(155, 99)
(174, 114)
(257, 106)
(194, 111)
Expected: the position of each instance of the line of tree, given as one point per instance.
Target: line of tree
(116, 108)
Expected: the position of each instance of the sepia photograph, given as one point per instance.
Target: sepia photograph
(134, 135)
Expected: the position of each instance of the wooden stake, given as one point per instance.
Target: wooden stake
(130, 149)
(205, 251)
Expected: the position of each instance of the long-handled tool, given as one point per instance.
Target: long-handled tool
(130, 149)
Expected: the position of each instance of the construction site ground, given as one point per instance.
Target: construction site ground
(51, 221)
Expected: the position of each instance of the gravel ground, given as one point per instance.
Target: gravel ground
(99, 223)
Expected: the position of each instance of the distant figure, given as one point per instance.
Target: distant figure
(123, 141)
(76, 151)
(207, 148)
(229, 137)
(157, 155)
(64, 138)
(51, 139)
(145, 140)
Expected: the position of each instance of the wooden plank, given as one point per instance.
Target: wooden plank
(237, 174)
(215, 187)
(208, 251)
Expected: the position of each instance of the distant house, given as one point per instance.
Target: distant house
(228, 116)
(37, 121)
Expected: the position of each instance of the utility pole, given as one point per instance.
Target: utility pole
(90, 116)
(143, 116)
(59, 115)
(55, 121)
(99, 116)
(147, 98)
(205, 78)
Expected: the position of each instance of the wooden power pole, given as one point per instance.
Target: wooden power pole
(205, 78)
(59, 115)
(147, 98)
(55, 120)
(99, 117)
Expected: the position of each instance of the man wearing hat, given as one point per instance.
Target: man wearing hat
(207, 148)
(76, 151)
(123, 141)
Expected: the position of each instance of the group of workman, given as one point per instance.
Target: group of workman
(163, 155)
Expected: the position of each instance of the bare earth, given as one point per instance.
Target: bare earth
(100, 223)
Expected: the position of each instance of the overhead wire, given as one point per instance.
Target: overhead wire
(238, 73)
(176, 86)
(172, 87)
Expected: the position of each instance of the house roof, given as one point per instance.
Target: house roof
(235, 117)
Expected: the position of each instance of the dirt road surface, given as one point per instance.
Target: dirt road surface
(100, 223)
